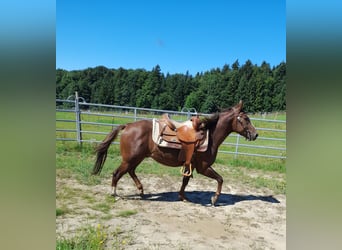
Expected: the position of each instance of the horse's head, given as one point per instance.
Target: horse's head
(242, 124)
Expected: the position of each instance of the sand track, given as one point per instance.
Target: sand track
(244, 218)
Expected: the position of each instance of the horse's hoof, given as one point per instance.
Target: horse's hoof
(115, 196)
(213, 201)
(182, 198)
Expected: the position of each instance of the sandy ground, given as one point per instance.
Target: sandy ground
(243, 218)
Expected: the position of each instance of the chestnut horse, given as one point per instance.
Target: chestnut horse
(136, 144)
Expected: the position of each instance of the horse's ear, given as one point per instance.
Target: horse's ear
(239, 106)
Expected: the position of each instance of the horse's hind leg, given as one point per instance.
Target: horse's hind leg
(117, 174)
(137, 182)
(123, 169)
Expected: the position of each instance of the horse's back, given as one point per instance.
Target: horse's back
(138, 129)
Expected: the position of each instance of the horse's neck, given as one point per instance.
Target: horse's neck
(220, 132)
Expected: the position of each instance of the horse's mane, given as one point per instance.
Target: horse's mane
(226, 110)
(209, 121)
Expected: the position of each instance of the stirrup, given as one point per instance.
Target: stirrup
(184, 174)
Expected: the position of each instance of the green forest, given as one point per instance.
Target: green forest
(262, 88)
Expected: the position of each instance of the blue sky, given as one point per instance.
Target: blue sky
(180, 36)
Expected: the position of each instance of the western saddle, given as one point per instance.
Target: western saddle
(190, 134)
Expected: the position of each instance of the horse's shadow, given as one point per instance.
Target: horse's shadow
(204, 198)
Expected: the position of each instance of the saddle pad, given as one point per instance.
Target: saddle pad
(162, 143)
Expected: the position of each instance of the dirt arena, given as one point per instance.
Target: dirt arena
(243, 218)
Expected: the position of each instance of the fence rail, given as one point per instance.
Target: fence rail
(88, 122)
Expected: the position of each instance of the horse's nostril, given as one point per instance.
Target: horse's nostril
(256, 136)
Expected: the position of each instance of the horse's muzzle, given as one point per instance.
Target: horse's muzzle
(251, 136)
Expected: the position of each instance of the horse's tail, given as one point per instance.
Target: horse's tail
(102, 148)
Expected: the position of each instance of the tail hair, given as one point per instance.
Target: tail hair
(102, 149)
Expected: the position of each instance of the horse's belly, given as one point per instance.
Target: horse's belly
(166, 156)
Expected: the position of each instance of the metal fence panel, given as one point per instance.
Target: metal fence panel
(89, 122)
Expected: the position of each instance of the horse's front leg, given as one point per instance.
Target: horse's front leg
(210, 172)
(185, 182)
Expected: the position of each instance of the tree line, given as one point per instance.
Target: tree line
(262, 88)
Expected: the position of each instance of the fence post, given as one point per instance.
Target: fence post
(237, 145)
(188, 115)
(78, 120)
(192, 110)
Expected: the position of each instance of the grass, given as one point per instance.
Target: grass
(279, 187)
(95, 238)
(253, 178)
(88, 198)
(88, 238)
(73, 159)
(68, 193)
(265, 164)
(61, 211)
(127, 213)
(103, 207)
